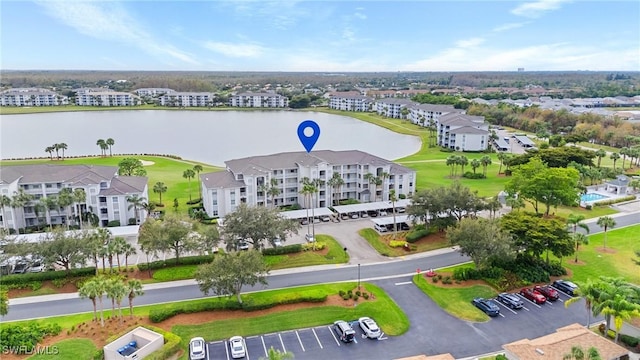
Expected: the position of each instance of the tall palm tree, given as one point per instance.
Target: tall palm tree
(393, 199)
(116, 291)
(148, 207)
(135, 201)
(384, 176)
(614, 157)
(5, 201)
(95, 289)
(101, 144)
(464, 161)
(128, 250)
(160, 188)
(79, 198)
(590, 292)
(452, 161)
(485, 161)
(51, 203)
(63, 147)
(600, 154)
(39, 208)
(135, 289)
(371, 179)
(189, 174)
(624, 152)
(578, 353)
(621, 308)
(575, 221)
(65, 200)
(272, 190)
(90, 291)
(307, 190)
(49, 149)
(475, 163)
(119, 244)
(336, 183)
(606, 222)
(110, 142)
(56, 147)
(19, 200)
(197, 168)
(501, 157)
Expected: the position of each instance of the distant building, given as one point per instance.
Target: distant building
(31, 97)
(153, 92)
(243, 179)
(106, 193)
(259, 100)
(106, 97)
(350, 102)
(393, 107)
(187, 99)
(462, 132)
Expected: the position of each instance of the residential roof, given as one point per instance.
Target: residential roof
(451, 117)
(397, 101)
(74, 174)
(436, 108)
(469, 130)
(556, 345)
(124, 185)
(220, 179)
(258, 94)
(524, 140)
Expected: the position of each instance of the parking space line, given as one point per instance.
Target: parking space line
(246, 349)
(524, 307)
(334, 335)
(539, 307)
(506, 307)
(226, 349)
(284, 349)
(316, 335)
(548, 303)
(300, 341)
(264, 347)
(502, 315)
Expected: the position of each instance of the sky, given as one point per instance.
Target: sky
(321, 36)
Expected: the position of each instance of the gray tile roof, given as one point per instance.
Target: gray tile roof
(74, 174)
(469, 130)
(398, 101)
(261, 165)
(220, 179)
(451, 117)
(125, 185)
(437, 108)
(259, 94)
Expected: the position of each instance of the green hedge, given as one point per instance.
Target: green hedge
(629, 340)
(187, 260)
(113, 223)
(222, 303)
(21, 279)
(21, 338)
(281, 250)
(614, 201)
(416, 235)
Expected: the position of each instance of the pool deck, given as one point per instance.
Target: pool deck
(599, 190)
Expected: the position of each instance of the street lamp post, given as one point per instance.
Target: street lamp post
(358, 276)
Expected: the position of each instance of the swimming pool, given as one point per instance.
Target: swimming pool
(588, 197)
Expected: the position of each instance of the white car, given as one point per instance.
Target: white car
(243, 245)
(277, 242)
(369, 327)
(236, 344)
(309, 238)
(197, 349)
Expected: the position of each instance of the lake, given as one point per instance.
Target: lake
(210, 137)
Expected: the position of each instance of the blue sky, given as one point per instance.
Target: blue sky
(333, 36)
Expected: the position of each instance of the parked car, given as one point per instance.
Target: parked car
(20, 267)
(353, 215)
(197, 349)
(369, 327)
(277, 242)
(380, 228)
(309, 237)
(532, 295)
(400, 210)
(36, 266)
(488, 306)
(404, 226)
(565, 286)
(236, 344)
(243, 245)
(383, 213)
(510, 300)
(547, 291)
(325, 218)
(344, 331)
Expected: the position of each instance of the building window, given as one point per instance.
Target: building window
(114, 199)
(214, 213)
(232, 197)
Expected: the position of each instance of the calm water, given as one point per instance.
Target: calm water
(207, 136)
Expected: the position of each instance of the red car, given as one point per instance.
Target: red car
(532, 295)
(547, 291)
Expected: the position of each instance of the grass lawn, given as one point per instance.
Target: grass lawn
(617, 262)
(384, 310)
(334, 255)
(380, 243)
(564, 211)
(80, 349)
(167, 170)
(456, 300)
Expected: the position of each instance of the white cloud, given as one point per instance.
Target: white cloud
(469, 43)
(110, 21)
(537, 8)
(360, 15)
(509, 26)
(234, 50)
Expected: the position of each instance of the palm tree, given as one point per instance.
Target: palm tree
(95, 289)
(577, 353)
(624, 152)
(463, 161)
(101, 144)
(128, 250)
(79, 198)
(135, 201)
(614, 157)
(65, 199)
(475, 163)
(160, 188)
(49, 149)
(606, 222)
(621, 308)
(116, 291)
(600, 154)
(575, 221)
(370, 178)
(485, 161)
(56, 147)
(271, 190)
(5, 200)
(590, 292)
(189, 174)
(39, 208)
(148, 207)
(20, 200)
(384, 176)
(135, 289)
(451, 161)
(119, 243)
(336, 183)
(307, 190)
(90, 290)
(110, 142)
(197, 168)
(393, 199)
(63, 147)
(276, 354)
(501, 157)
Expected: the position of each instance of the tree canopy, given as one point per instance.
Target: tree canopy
(173, 233)
(481, 239)
(255, 225)
(131, 167)
(535, 234)
(228, 272)
(455, 200)
(556, 157)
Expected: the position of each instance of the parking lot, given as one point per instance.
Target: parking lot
(319, 342)
(530, 306)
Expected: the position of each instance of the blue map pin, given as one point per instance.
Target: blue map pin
(308, 141)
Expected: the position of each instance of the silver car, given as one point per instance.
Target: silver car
(369, 327)
(236, 344)
(197, 349)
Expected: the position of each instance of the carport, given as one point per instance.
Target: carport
(302, 214)
(372, 206)
(388, 220)
(525, 141)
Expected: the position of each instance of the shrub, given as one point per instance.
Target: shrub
(194, 201)
(346, 297)
(113, 223)
(630, 341)
(25, 280)
(288, 249)
(36, 285)
(466, 273)
(358, 293)
(501, 357)
(470, 175)
(187, 260)
(22, 338)
(615, 201)
(341, 292)
(397, 243)
(434, 279)
(447, 280)
(132, 221)
(365, 296)
(402, 196)
(416, 234)
(310, 246)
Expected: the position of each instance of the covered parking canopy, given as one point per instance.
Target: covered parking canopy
(388, 220)
(302, 214)
(372, 206)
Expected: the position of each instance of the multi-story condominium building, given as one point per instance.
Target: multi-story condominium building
(462, 132)
(246, 180)
(84, 91)
(187, 99)
(31, 97)
(263, 100)
(392, 107)
(106, 194)
(425, 114)
(153, 91)
(106, 98)
(350, 102)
